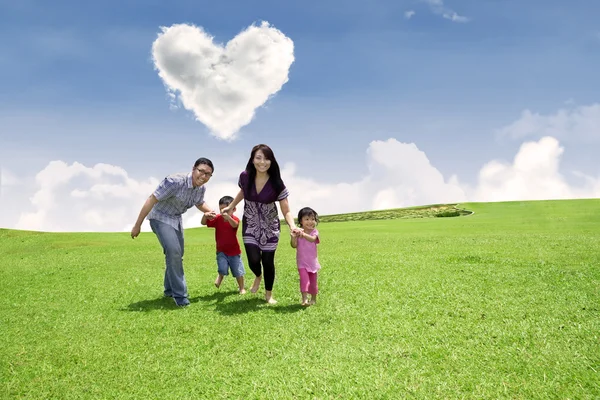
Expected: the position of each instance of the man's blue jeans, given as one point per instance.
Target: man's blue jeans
(171, 241)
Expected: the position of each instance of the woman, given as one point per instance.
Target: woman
(260, 187)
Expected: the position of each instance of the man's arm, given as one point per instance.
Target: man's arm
(208, 212)
(146, 208)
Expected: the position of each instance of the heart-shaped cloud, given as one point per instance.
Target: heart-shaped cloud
(223, 86)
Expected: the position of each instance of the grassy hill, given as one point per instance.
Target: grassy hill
(435, 210)
(503, 303)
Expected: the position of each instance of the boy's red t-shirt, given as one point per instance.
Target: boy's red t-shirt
(225, 235)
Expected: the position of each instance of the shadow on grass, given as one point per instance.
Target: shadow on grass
(243, 305)
(252, 304)
(289, 309)
(160, 303)
(217, 297)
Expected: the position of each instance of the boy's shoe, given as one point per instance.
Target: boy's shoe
(182, 302)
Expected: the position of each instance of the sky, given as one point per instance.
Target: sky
(366, 105)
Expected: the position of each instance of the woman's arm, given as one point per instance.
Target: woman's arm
(294, 240)
(287, 214)
(239, 197)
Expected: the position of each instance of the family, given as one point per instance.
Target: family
(261, 187)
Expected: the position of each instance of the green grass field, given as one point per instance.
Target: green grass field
(503, 303)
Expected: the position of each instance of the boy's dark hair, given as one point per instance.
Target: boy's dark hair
(307, 212)
(225, 201)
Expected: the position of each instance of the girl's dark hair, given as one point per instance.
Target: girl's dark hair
(273, 171)
(307, 212)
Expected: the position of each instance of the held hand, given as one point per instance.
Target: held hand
(226, 211)
(210, 215)
(135, 231)
(227, 217)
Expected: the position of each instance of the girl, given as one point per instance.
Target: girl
(305, 242)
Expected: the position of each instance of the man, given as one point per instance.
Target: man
(175, 195)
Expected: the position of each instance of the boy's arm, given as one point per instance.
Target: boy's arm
(203, 220)
(232, 222)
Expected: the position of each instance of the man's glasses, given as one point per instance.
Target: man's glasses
(203, 172)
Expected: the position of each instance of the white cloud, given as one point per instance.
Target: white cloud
(454, 17)
(399, 175)
(569, 124)
(7, 181)
(439, 8)
(79, 198)
(223, 86)
(104, 198)
(409, 14)
(533, 175)
(7, 178)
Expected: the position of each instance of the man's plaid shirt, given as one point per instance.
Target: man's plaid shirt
(176, 195)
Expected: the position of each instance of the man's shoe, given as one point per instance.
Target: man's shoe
(182, 302)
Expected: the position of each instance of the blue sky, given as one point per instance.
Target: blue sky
(388, 104)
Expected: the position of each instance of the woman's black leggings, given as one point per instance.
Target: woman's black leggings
(255, 256)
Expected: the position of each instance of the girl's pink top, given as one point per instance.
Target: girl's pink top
(306, 253)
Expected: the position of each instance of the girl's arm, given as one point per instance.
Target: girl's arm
(294, 241)
(308, 237)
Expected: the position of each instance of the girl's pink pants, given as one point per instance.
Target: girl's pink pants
(308, 281)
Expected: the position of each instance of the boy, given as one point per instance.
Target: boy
(229, 254)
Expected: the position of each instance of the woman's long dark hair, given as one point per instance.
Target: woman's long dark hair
(273, 171)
